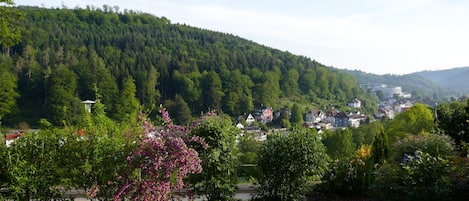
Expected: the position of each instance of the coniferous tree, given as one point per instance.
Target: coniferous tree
(181, 111)
(61, 100)
(212, 92)
(380, 148)
(127, 106)
(164, 59)
(8, 92)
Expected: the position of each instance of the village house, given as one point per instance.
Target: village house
(348, 119)
(282, 111)
(250, 119)
(385, 111)
(10, 138)
(402, 106)
(314, 116)
(264, 114)
(330, 117)
(355, 103)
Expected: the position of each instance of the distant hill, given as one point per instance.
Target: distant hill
(455, 78)
(412, 83)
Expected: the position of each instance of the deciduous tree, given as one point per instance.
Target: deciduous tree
(339, 144)
(287, 162)
(218, 179)
(10, 28)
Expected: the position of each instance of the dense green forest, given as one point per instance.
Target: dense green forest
(66, 56)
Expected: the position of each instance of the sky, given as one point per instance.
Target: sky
(375, 36)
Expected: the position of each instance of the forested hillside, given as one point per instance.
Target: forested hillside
(412, 83)
(455, 78)
(66, 56)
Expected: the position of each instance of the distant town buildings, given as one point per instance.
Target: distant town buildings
(393, 101)
(388, 92)
(355, 103)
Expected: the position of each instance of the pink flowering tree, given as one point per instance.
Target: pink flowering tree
(162, 159)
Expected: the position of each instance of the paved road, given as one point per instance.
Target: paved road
(244, 193)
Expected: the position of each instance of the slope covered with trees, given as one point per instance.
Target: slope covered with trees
(453, 79)
(418, 85)
(66, 56)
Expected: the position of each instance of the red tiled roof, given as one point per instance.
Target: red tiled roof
(12, 136)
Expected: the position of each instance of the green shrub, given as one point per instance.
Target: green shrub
(460, 177)
(349, 177)
(287, 164)
(419, 176)
(433, 144)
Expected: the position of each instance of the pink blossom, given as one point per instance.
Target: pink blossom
(164, 159)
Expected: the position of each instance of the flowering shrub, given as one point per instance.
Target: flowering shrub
(162, 160)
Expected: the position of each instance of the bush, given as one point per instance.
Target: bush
(419, 176)
(460, 178)
(248, 147)
(433, 144)
(33, 166)
(419, 169)
(288, 162)
(349, 177)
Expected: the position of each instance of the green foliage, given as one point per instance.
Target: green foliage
(180, 110)
(238, 92)
(218, 178)
(248, 147)
(210, 70)
(419, 169)
(213, 93)
(296, 115)
(34, 166)
(418, 119)
(97, 161)
(45, 164)
(415, 83)
(380, 148)
(10, 28)
(3, 164)
(348, 178)
(289, 83)
(61, 100)
(365, 134)
(8, 87)
(419, 176)
(434, 144)
(287, 163)
(339, 144)
(452, 120)
(460, 177)
(127, 106)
